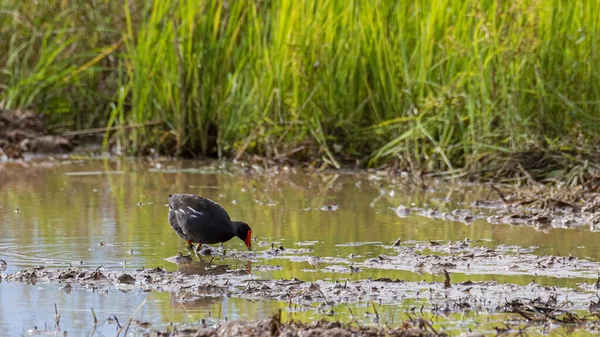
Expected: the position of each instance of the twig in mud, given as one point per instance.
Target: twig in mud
(500, 194)
(117, 320)
(447, 279)
(247, 286)
(289, 153)
(594, 306)
(95, 322)
(95, 318)
(110, 320)
(56, 317)
(596, 284)
(529, 177)
(126, 328)
(427, 324)
(375, 309)
(114, 128)
(553, 310)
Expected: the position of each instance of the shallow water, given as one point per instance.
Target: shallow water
(112, 213)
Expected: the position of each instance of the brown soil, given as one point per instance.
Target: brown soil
(542, 207)
(23, 131)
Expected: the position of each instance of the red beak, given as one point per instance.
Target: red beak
(248, 240)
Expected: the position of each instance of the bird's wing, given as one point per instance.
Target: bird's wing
(201, 219)
(199, 206)
(204, 229)
(174, 221)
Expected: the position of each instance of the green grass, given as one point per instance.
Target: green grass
(438, 83)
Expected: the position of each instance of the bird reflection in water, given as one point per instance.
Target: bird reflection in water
(190, 266)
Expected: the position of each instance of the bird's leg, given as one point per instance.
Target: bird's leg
(189, 246)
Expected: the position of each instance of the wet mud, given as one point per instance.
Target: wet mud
(545, 208)
(433, 257)
(23, 131)
(272, 326)
(275, 327)
(542, 208)
(531, 302)
(213, 279)
(398, 246)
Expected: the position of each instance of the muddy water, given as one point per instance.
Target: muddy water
(111, 213)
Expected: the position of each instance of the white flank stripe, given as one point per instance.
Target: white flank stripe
(195, 211)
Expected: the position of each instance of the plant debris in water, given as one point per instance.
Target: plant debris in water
(273, 326)
(453, 297)
(540, 207)
(464, 256)
(532, 302)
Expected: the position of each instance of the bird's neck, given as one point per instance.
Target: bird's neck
(236, 225)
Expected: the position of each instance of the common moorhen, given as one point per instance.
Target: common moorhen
(201, 220)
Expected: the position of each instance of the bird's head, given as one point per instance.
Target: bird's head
(244, 232)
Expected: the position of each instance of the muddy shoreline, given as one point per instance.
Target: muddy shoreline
(212, 275)
(23, 131)
(567, 306)
(403, 248)
(486, 295)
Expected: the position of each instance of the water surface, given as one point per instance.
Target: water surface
(112, 213)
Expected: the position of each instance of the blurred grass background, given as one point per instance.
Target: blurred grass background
(435, 83)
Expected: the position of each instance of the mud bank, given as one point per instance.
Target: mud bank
(274, 327)
(545, 207)
(23, 131)
(433, 257)
(542, 208)
(444, 296)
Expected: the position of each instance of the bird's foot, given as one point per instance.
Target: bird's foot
(190, 246)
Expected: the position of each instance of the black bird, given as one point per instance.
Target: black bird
(203, 221)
